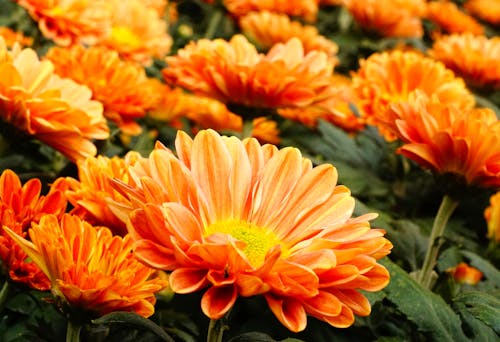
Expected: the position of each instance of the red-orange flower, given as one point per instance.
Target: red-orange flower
(465, 274)
(234, 72)
(388, 77)
(492, 216)
(121, 86)
(451, 19)
(70, 21)
(448, 140)
(487, 10)
(21, 205)
(296, 8)
(55, 110)
(267, 29)
(241, 219)
(475, 58)
(388, 18)
(12, 37)
(89, 269)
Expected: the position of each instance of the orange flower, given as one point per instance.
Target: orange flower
(137, 40)
(121, 86)
(487, 10)
(55, 110)
(267, 29)
(89, 194)
(70, 21)
(448, 140)
(465, 274)
(389, 18)
(20, 205)
(90, 269)
(388, 77)
(296, 8)
(451, 19)
(492, 216)
(12, 37)
(475, 58)
(277, 227)
(233, 72)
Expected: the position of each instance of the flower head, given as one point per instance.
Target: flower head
(121, 86)
(487, 10)
(297, 8)
(451, 19)
(20, 206)
(448, 140)
(492, 216)
(388, 77)
(475, 58)
(240, 219)
(12, 37)
(90, 270)
(234, 72)
(465, 274)
(55, 110)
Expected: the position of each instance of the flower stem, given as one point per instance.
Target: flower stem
(448, 205)
(213, 24)
(216, 329)
(4, 294)
(73, 332)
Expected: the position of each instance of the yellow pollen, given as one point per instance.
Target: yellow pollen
(258, 240)
(57, 11)
(124, 36)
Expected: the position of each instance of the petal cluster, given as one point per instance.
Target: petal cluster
(492, 216)
(297, 8)
(239, 219)
(451, 19)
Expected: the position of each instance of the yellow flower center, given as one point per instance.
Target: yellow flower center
(258, 240)
(124, 36)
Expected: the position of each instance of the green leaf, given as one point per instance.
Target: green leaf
(482, 306)
(133, 319)
(427, 310)
(252, 337)
(489, 271)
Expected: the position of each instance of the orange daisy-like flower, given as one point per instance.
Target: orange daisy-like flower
(451, 19)
(487, 10)
(267, 29)
(89, 193)
(12, 37)
(121, 86)
(389, 18)
(21, 205)
(89, 269)
(137, 40)
(234, 72)
(448, 140)
(475, 58)
(296, 8)
(388, 77)
(276, 226)
(55, 110)
(492, 216)
(465, 274)
(70, 21)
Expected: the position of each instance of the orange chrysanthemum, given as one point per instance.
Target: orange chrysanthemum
(121, 86)
(70, 21)
(267, 29)
(21, 205)
(277, 227)
(234, 72)
(451, 19)
(296, 8)
(89, 193)
(487, 10)
(465, 274)
(11, 37)
(389, 18)
(89, 269)
(449, 141)
(55, 110)
(475, 58)
(137, 40)
(388, 77)
(492, 216)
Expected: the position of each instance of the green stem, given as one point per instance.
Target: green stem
(448, 205)
(4, 294)
(73, 332)
(216, 329)
(213, 24)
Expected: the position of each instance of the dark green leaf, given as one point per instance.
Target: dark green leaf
(482, 306)
(252, 337)
(489, 271)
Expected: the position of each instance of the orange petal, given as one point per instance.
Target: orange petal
(289, 312)
(218, 300)
(187, 280)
